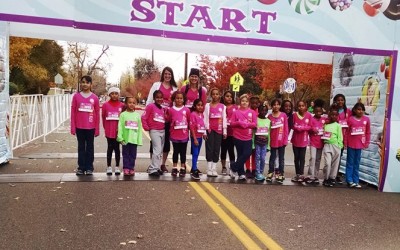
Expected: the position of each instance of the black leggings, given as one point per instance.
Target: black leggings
(227, 145)
(113, 145)
(179, 150)
(299, 159)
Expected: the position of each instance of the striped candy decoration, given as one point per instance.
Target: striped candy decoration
(304, 6)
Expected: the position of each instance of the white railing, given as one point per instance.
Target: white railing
(33, 116)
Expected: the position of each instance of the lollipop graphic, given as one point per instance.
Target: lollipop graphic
(268, 2)
(304, 6)
(340, 4)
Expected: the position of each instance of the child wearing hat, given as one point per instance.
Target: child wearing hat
(111, 111)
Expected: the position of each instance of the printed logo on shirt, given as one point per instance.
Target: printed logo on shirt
(262, 131)
(91, 100)
(112, 116)
(131, 125)
(159, 118)
(180, 125)
(307, 120)
(343, 124)
(357, 131)
(326, 135)
(86, 107)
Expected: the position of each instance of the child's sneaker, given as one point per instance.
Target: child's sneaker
(117, 171)
(132, 172)
(296, 178)
(109, 171)
(301, 178)
(195, 174)
(357, 185)
(164, 168)
(269, 177)
(182, 172)
(308, 180)
(224, 171)
(242, 177)
(89, 172)
(155, 173)
(327, 183)
(315, 181)
(280, 179)
(233, 175)
(79, 172)
(126, 171)
(260, 177)
(174, 172)
(249, 175)
(333, 181)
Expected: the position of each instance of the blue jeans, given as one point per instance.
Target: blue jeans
(261, 153)
(353, 165)
(243, 149)
(195, 152)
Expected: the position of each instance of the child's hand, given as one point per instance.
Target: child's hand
(123, 143)
(196, 142)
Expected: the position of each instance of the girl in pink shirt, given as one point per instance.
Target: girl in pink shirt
(110, 116)
(153, 120)
(278, 141)
(316, 142)
(301, 126)
(197, 132)
(358, 138)
(85, 119)
(179, 117)
(215, 121)
(243, 122)
(227, 144)
(193, 90)
(344, 114)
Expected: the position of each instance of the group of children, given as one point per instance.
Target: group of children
(223, 126)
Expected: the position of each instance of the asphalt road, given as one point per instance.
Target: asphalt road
(43, 205)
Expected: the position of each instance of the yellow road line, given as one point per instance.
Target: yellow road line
(261, 235)
(231, 224)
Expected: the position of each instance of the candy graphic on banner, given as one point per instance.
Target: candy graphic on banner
(373, 7)
(268, 1)
(289, 85)
(304, 6)
(393, 11)
(346, 68)
(340, 4)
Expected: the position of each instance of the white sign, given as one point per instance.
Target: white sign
(289, 86)
(58, 79)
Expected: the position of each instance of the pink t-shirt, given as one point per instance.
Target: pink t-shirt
(197, 124)
(316, 132)
(110, 115)
(301, 126)
(179, 118)
(215, 117)
(243, 121)
(153, 118)
(85, 113)
(192, 95)
(167, 93)
(279, 130)
(229, 112)
(342, 120)
(358, 133)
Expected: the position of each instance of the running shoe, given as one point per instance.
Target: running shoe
(182, 172)
(132, 172)
(224, 171)
(195, 174)
(109, 171)
(117, 171)
(358, 186)
(89, 172)
(126, 171)
(296, 178)
(233, 175)
(174, 172)
(280, 179)
(155, 173)
(260, 177)
(269, 177)
(79, 172)
(327, 183)
(242, 177)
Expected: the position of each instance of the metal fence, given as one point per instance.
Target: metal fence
(34, 116)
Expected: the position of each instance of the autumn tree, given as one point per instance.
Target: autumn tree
(34, 63)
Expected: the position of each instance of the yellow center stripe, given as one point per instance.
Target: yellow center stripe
(231, 224)
(263, 237)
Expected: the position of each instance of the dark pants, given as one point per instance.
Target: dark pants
(299, 159)
(243, 149)
(113, 145)
(179, 150)
(85, 148)
(213, 146)
(281, 155)
(129, 152)
(228, 146)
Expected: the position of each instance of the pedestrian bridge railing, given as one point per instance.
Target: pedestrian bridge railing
(35, 116)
